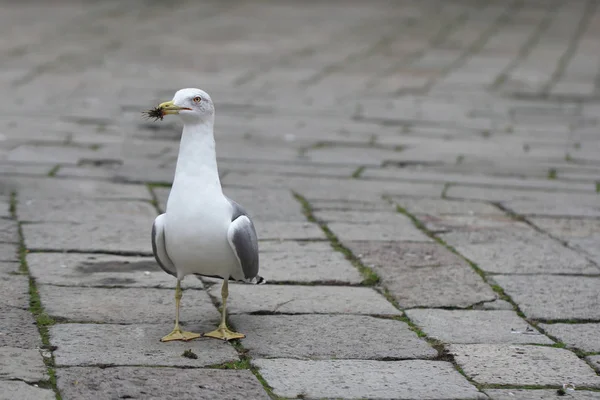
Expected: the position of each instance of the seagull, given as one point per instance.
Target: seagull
(202, 231)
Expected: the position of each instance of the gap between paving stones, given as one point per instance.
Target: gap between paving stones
(525, 220)
(502, 295)
(372, 279)
(43, 320)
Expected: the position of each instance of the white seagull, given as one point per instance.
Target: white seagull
(202, 232)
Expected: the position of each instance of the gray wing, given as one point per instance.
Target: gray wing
(158, 246)
(243, 240)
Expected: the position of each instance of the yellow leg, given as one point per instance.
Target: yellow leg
(223, 332)
(177, 333)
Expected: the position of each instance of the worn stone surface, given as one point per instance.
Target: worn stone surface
(288, 299)
(476, 326)
(518, 251)
(99, 270)
(581, 336)
(309, 262)
(107, 344)
(69, 225)
(9, 232)
(423, 275)
(523, 365)
(539, 394)
(125, 306)
(552, 297)
(22, 364)
(18, 328)
(9, 252)
(357, 379)
(10, 390)
(15, 291)
(151, 383)
(295, 336)
(403, 230)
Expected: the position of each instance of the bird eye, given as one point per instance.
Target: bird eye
(197, 99)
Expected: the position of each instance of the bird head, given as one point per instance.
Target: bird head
(192, 105)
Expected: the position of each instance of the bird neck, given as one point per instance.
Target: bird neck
(197, 159)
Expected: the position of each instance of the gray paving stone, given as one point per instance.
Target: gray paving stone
(10, 390)
(129, 345)
(539, 394)
(83, 211)
(9, 231)
(356, 379)
(312, 262)
(398, 228)
(125, 306)
(579, 233)
(581, 336)
(10, 267)
(32, 190)
(446, 207)
(518, 251)
(446, 223)
(476, 326)
(150, 383)
(521, 365)
(280, 230)
(552, 297)
(423, 274)
(9, 252)
(89, 237)
(18, 328)
(22, 364)
(15, 291)
(321, 337)
(100, 270)
(288, 299)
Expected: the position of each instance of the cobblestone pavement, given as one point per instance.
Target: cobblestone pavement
(424, 176)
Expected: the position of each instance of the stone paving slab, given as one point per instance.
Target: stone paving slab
(22, 364)
(540, 394)
(9, 252)
(10, 390)
(423, 274)
(321, 337)
(9, 232)
(130, 345)
(508, 251)
(125, 306)
(349, 226)
(18, 328)
(40, 189)
(83, 383)
(100, 270)
(554, 297)
(580, 336)
(15, 291)
(440, 207)
(89, 237)
(521, 365)
(288, 299)
(280, 230)
(357, 379)
(312, 262)
(476, 326)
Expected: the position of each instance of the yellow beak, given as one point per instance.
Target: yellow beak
(169, 107)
